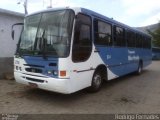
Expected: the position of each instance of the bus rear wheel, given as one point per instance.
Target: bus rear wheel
(97, 80)
(140, 67)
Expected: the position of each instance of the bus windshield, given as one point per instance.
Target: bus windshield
(47, 33)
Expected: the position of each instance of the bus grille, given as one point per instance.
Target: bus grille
(34, 70)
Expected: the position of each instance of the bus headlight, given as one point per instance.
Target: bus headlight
(18, 68)
(49, 72)
(52, 72)
(16, 62)
(55, 73)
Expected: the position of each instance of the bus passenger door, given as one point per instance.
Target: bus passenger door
(81, 52)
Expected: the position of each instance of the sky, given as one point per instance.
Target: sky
(135, 13)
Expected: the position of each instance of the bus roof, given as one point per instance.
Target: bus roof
(95, 14)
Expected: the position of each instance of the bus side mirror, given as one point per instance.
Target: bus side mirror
(13, 34)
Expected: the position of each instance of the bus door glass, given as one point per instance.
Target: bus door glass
(82, 44)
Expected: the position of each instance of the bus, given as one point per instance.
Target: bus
(155, 53)
(65, 50)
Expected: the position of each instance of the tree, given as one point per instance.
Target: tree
(156, 36)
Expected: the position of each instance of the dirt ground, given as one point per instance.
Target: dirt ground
(129, 94)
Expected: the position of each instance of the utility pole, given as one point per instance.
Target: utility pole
(25, 6)
(50, 6)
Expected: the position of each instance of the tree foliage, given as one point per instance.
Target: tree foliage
(156, 36)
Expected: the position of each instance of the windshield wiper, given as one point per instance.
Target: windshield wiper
(44, 46)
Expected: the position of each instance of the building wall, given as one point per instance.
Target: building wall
(7, 45)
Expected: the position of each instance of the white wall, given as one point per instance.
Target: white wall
(7, 45)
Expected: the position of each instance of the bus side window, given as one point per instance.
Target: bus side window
(131, 38)
(119, 37)
(102, 33)
(82, 44)
(147, 43)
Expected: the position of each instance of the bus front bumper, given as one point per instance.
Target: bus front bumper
(46, 83)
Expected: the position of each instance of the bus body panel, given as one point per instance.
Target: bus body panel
(36, 70)
(51, 84)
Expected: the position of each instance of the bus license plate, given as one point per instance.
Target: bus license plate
(34, 85)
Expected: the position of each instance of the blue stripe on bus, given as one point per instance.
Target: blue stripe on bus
(119, 60)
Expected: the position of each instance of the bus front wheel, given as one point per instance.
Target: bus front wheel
(96, 82)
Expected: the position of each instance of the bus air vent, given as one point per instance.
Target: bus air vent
(52, 64)
(35, 80)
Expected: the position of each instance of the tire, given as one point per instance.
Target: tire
(140, 68)
(97, 80)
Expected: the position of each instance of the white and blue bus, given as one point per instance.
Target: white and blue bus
(68, 49)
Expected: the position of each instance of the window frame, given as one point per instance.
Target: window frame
(91, 40)
(123, 42)
(132, 33)
(147, 43)
(139, 40)
(96, 33)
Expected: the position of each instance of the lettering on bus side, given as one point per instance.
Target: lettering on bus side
(131, 52)
(132, 56)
